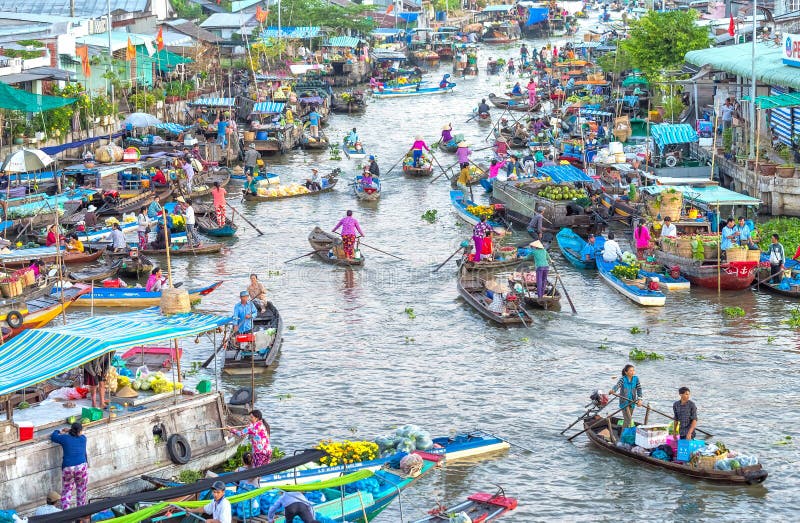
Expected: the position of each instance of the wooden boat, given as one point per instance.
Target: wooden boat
(513, 104)
(523, 254)
(134, 296)
(479, 507)
(185, 250)
(209, 226)
(118, 206)
(370, 194)
(618, 206)
(155, 358)
(327, 182)
(328, 248)
(22, 257)
(101, 233)
(352, 152)
(418, 172)
(521, 199)
(633, 291)
(460, 204)
(96, 273)
(134, 264)
(729, 276)
(526, 277)
(752, 475)
(309, 142)
(40, 310)
(473, 290)
(571, 246)
(667, 282)
(256, 351)
(204, 182)
(422, 91)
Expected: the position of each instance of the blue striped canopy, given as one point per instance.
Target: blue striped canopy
(170, 127)
(594, 112)
(28, 254)
(214, 102)
(564, 173)
(268, 108)
(40, 354)
(670, 134)
(342, 41)
(291, 32)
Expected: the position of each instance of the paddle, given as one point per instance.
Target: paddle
(666, 416)
(473, 117)
(479, 431)
(216, 351)
(448, 259)
(303, 256)
(376, 249)
(588, 408)
(440, 165)
(397, 162)
(597, 423)
(564, 287)
(245, 219)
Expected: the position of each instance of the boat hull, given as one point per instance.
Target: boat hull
(460, 204)
(646, 298)
(135, 297)
(733, 276)
(322, 242)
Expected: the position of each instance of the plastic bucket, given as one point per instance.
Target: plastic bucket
(615, 148)
(204, 387)
(262, 135)
(25, 430)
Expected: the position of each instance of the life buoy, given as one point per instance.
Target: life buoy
(178, 449)
(14, 319)
(242, 396)
(671, 161)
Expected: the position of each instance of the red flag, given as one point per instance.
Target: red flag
(261, 15)
(83, 53)
(732, 27)
(160, 38)
(130, 51)
(390, 9)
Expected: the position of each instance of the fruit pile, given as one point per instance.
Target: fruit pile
(562, 192)
(480, 211)
(346, 452)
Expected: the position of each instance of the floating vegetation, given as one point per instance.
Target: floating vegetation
(733, 312)
(410, 313)
(641, 355)
(636, 330)
(430, 215)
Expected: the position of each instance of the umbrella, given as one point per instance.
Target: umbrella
(26, 160)
(141, 120)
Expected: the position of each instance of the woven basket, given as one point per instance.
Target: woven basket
(175, 301)
(753, 255)
(708, 462)
(19, 287)
(684, 251)
(508, 253)
(7, 288)
(736, 254)
(249, 136)
(30, 278)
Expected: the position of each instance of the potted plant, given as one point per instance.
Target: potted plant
(727, 139)
(786, 170)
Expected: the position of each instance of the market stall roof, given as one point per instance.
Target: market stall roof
(634, 80)
(594, 112)
(342, 41)
(170, 127)
(292, 32)
(564, 173)
(214, 102)
(497, 8)
(670, 134)
(769, 66)
(18, 100)
(268, 108)
(771, 102)
(712, 195)
(39, 354)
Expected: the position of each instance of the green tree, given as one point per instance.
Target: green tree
(659, 41)
(322, 14)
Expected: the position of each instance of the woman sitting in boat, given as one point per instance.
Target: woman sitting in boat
(498, 305)
(630, 392)
(37, 267)
(162, 240)
(52, 238)
(74, 244)
(447, 134)
(156, 281)
(501, 147)
(516, 90)
(375, 84)
(445, 81)
(258, 294)
(416, 150)
(367, 182)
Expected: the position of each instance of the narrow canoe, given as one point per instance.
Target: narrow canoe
(210, 227)
(460, 204)
(259, 352)
(473, 290)
(351, 152)
(137, 266)
(479, 507)
(633, 292)
(617, 206)
(134, 296)
(523, 254)
(422, 91)
(96, 273)
(571, 246)
(327, 183)
(325, 243)
(752, 475)
(185, 250)
(362, 194)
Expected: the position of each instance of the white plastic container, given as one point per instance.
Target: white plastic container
(651, 436)
(615, 147)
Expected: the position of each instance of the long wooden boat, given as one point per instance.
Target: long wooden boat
(751, 475)
(513, 104)
(136, 265)
(632, 291)
(351, 152)
(209, 226)
(326, 245)
(185, 250)
(729, 276)
(422, 91)
(41, 310)
(121, 206)
(473, 290)
(571, 246)
(551, 299)
(204, 182)
(258, 350)
(367, 195)
(521, 199)
(23, 257)
(479, 507)
(96, 273)
(618, 206)
(327, 183)
(523, 254)
(134, 296)
(309, 142)
(461, 203)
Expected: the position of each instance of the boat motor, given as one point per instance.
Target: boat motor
(599, 399)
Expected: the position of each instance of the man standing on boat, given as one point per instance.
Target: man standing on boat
(243, 314)
(536, 225)
(251, 158)
(313, 123)
(685, 412)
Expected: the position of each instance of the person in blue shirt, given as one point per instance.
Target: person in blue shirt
(589, 249)
(294, 505)
(74, 464)
(313, 122)
(154, 209)
(745, 234)
(352, 137)
(445, 81)
(222, 130)
(243, 314)
(729, 235)
(516, 90)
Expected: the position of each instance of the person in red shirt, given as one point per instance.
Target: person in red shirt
(159, 178)
(218, 194)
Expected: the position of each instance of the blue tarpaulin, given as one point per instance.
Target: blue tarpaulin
(409, 17)
(537, 15)
(268, 108)
(670, 134)
(342, 41)
(215, 102)
(291, 32)
(39, 354)
(564, 173)
(56, 149)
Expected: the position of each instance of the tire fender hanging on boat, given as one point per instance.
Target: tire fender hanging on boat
(14, 319)
(178, 449)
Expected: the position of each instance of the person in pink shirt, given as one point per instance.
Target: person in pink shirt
(642, 236)
(349, 227)
(416, 149)
(495, 167)
(219, 203)
(532, 92)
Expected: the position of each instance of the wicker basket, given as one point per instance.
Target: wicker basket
(249, 136)
(708, 462)
(508, 253)
(7, 288)
(684, 251)
(19, 286)
(736, 255)
(175, 301)
(753, 255)
(30, 278)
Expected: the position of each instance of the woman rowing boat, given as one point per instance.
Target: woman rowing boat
(349, 227)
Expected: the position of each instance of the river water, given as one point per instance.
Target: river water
(354, 365)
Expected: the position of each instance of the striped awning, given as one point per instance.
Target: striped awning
(291, 32)
(268, 108)
(670, 134)
(27, 254)
(214, 102)
(170, 127)
(39, 354)
(564, 173)
(594, 112)
(342, 41)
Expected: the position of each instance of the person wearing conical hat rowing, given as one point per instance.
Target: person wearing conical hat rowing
(416, 149)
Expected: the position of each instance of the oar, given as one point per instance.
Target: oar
(448, 259)
(480, 431)
(564, 287)
(666, 415)
(303, 256)
(588, 410)
(440, 165)
(216, 351)
(597, 423)
(245, 219)
(397, 162)
(384, 252)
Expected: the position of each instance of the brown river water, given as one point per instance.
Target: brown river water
(356, 366)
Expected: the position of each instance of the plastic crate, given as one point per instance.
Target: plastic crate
(686, 447)
(651, 436)
(91, 413)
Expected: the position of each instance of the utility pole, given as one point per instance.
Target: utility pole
(753, 126)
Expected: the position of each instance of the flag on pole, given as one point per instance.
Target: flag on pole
(148, 45)
(261, 15)
(390, 8)
(160, 38)
(130, 52)
(732, 27)
(83, 53)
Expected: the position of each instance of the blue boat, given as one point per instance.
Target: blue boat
(571, 246)
(367, 194)
(460, 204)
(632, 291)
(667, 282)
(352, 152)
(422, 91)
(133, 296)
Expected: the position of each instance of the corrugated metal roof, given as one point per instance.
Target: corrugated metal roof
(735, 59)
(119, 40)
(291, 32)
(497, 8)
(83, 8)
(342, 41)
(227, 20)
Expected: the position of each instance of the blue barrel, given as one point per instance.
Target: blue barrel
(441, 16)
(262, 135)
(590, 156)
